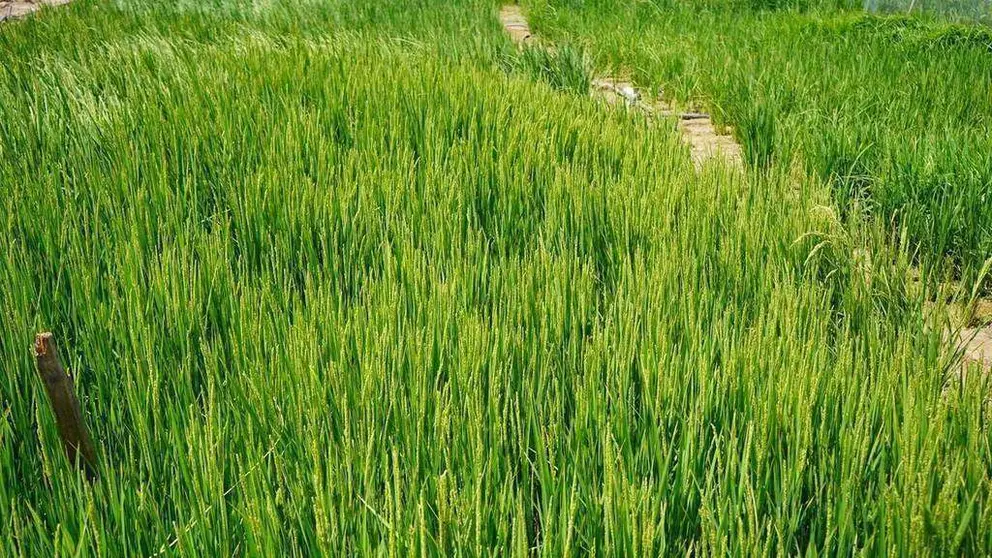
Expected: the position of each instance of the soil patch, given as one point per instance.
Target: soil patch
(20, 8)
(705, 143)
(977, 346)
(968, 328)
(515, 24)
(975, 339)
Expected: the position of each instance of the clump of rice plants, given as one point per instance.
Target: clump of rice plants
(893, 111)
(563, 68)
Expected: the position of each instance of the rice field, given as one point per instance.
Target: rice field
(340, 278)
(892, 111)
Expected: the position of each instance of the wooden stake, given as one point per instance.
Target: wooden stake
(62, 396)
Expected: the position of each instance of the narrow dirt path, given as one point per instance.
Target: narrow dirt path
(705, 142)
(20, 8)
(977, 345)
(975, 339)
(513, 20)
(697, 128)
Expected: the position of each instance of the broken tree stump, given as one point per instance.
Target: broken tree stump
(62, 396)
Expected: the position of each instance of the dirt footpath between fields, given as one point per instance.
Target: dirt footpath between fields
(697, 128)
(19, 8)
(977, 344)
(513, 20)
(975, 339)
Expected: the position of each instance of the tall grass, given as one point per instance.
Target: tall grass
(564, 69)
(345, 286)
(894, 112)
